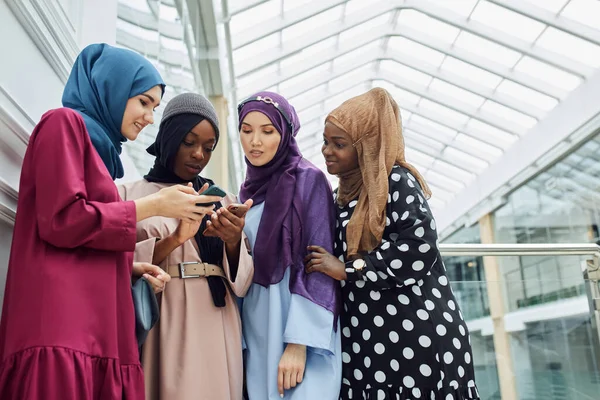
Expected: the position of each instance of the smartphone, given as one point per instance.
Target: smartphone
(213, 190)
(239, 210)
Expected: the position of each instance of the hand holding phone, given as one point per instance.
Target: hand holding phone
(228, 223)
(239, 210)
(213, 190)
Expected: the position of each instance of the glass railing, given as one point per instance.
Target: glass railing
(544, 300)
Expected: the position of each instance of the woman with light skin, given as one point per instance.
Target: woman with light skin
(289, 318)
(403, 334)
(68, 326)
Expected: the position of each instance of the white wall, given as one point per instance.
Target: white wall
(39, 42)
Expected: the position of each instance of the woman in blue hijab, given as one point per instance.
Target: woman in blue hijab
(68, 329)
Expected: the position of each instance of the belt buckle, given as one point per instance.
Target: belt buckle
(182, 274)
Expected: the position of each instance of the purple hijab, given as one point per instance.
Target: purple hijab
(298, 208)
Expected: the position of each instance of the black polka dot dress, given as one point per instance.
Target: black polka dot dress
(403, 335)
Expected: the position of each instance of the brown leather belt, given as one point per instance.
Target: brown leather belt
(194, 269)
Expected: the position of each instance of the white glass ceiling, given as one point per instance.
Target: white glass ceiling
(471, 76)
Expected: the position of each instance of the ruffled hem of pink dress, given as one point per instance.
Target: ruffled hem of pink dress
(54, 373)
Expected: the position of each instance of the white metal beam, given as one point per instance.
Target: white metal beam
(451, 103)
(152, 48)
(334, 90)
(148, 21)
(206, 56)
(297, 15)
(244, 5)
(551, 19)
(271, 79)
(270, 56)
(429, 94)
(573, 121)
(375, 55)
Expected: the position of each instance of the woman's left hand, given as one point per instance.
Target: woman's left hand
(225, 225)
(320, 260)
(154, 274)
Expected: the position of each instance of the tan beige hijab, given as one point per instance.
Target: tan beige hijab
(373, 122)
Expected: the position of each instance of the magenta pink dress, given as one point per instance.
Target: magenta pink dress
(67, 329)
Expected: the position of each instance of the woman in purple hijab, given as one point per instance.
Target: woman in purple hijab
(290, 319)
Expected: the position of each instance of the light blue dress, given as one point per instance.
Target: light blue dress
(273, 317)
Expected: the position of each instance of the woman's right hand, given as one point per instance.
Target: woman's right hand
(180, 201)
(186, 230)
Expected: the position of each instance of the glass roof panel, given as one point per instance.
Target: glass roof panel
(307, 76)
(426, 24)
(311, 93)
(249, 79)
(548, 73)
(531, 96)
(471, 72)
(355, 5)
(141, 5)
(254, 48)
(461, 7)
(416, 50)
(357, 75)
(455, 172)
(487, 49)
(168, 13)
(456, 92)
(551, 5)
(308, 52)
(458, 157)
(304, 27)
(411, 137)
(432, 125)
(405, 72)
(444, 112)
(571, 46)
(502, 138)
(364, 27)
(583, 11)
(289, 5)
(255, 15)
(172, 44)
(137, 31)
(419, 157)
(311, 113)
(478, 145)
(355, 54)
(454, 83)
(507, 21)
(443, 181)
(508, 113)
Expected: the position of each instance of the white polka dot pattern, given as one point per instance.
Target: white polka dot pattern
(401, 325)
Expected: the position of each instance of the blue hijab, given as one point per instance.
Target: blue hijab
(103, 78)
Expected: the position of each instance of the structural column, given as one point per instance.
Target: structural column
(493, 277)
(218, 167)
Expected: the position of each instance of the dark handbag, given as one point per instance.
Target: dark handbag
(146, 309)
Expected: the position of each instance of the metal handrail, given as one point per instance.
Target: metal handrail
(538, 249)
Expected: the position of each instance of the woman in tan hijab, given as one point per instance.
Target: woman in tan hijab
(403, 335)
